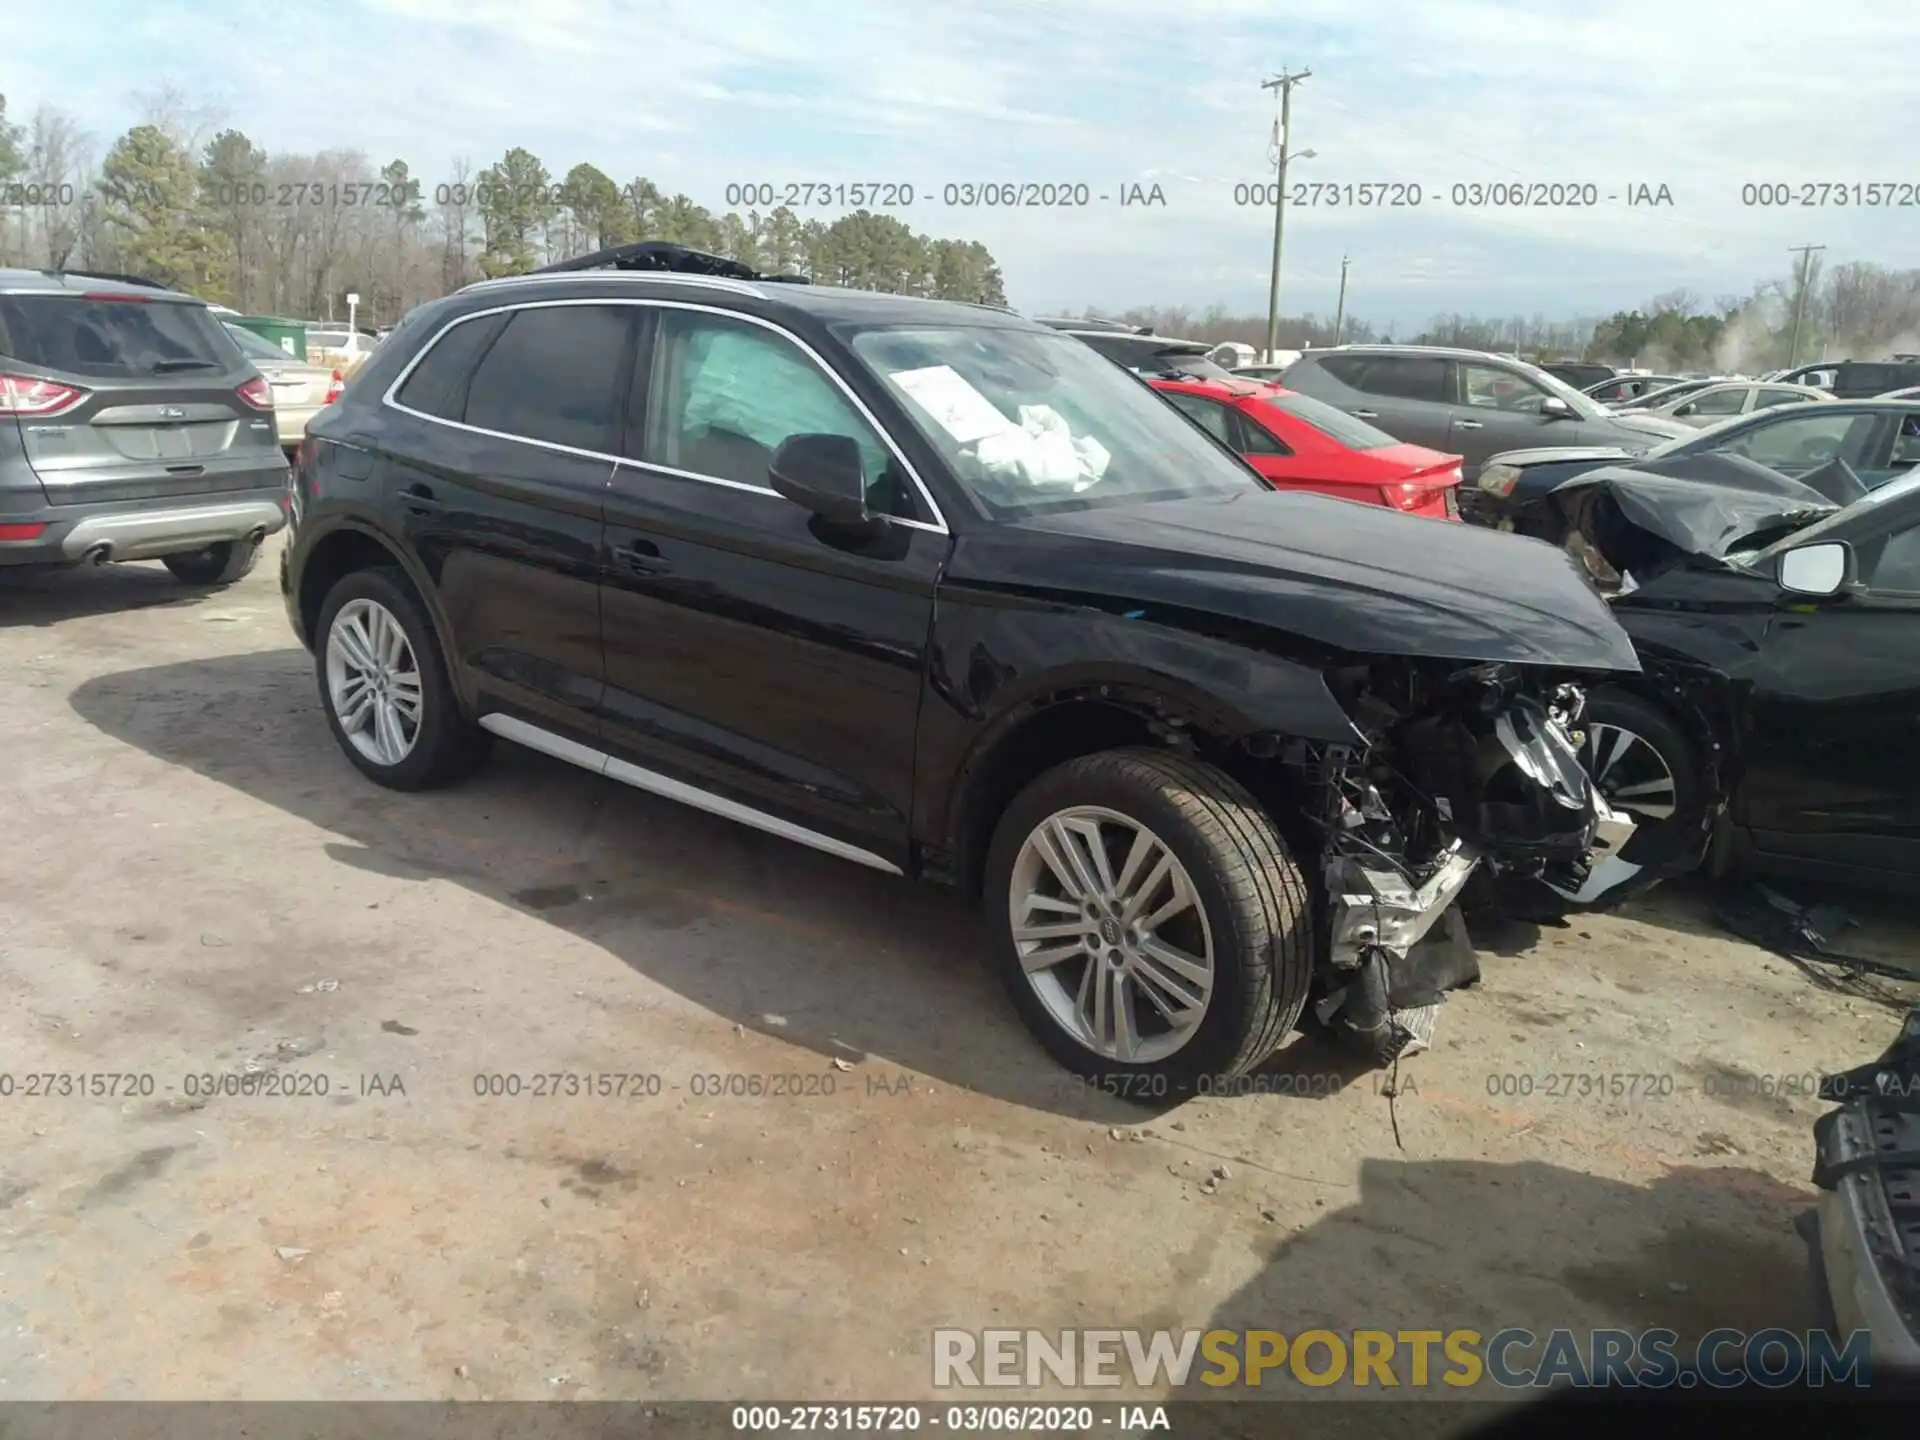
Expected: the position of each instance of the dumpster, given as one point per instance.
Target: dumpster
(289, 335)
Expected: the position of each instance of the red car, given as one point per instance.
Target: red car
(1301, 443)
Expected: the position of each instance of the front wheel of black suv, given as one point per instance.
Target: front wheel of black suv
(1642, 762)
(384, 685)
(220, 564)
(1151, 926)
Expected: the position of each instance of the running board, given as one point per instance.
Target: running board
(601, 763)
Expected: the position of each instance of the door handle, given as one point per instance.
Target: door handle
(642, 558)
(419, 499)
(1365, 414)
(1470, 424)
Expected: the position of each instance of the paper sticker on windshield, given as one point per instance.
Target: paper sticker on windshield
(959, 409)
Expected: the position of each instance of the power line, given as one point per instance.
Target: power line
(1283, 143)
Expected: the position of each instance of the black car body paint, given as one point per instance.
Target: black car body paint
(877, 692)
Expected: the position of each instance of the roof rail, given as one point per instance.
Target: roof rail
(663, 255)
(714, 282)
(145, 280)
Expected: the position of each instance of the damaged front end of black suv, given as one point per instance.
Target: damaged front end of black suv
(1467, 793)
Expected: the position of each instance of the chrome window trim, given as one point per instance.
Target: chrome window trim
(389, 399)
(599, 762)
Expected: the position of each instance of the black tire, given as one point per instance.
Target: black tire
(446, 744)
(1659, 841)
(1255, 901)
(220, 564)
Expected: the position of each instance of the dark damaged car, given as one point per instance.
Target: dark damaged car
(1878, 440)
(938, 590)
(1776, 721)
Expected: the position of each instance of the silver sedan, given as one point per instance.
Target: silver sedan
(301, 390)
(1715, 403)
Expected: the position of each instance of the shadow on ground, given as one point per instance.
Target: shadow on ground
(1530, 1246)
(47, 597)
(775, 937)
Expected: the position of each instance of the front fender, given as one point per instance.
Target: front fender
(993, 665)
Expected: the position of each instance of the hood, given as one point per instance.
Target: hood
(1358, 578)
(1658, 426)
(1556, 454)
(1706, 504)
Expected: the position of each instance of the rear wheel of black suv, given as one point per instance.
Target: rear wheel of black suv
(1152, 928)
(220, 564)
(384, 685)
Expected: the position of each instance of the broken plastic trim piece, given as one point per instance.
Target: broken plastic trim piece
(1378, 909)
(1606, 871)
(1544, 754)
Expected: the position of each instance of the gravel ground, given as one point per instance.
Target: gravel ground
(194, 883)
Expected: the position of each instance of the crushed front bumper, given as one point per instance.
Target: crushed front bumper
(1391, 951)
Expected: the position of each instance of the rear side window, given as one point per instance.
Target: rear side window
(438, 384)
(1353, 433)
(1210, 413)
(1401, 377)
(1406, 377)
(554, 374)
(113, 339)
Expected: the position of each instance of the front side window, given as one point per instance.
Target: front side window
(1032, 421)
(554, 375)
(1769, 398)
(1893, 563)
(1490, 387)
(726, 393)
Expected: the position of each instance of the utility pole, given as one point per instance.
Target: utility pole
(1806, 253)
(1340, 310)
(1284, 83)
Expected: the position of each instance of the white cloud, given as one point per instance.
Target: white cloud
(1700, 96)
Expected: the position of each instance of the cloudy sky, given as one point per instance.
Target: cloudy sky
(1704, 97)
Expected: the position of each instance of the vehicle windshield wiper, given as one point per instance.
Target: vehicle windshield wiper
(161, 367)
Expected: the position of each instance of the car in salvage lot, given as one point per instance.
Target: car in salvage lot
(1712, 402)
(131, 428)
(300, 389)
(935, 589)
(1466, 402)
(1878, 439)
(1301, 443)
(1778, 626)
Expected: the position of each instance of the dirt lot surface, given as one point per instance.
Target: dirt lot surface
(194, 883)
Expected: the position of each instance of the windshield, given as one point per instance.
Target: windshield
(1664, 396)
(1192, 364)
(1329, 421)
(1585, 406)
(1035, 421)
(256, 347)
(1698, 440)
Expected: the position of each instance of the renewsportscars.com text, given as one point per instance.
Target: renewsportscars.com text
(1511, 1358)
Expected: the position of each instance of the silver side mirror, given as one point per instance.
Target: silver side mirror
(1815, 569)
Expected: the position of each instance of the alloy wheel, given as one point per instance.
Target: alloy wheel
(1111, 934)
(1630, 772)
(373, 682)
